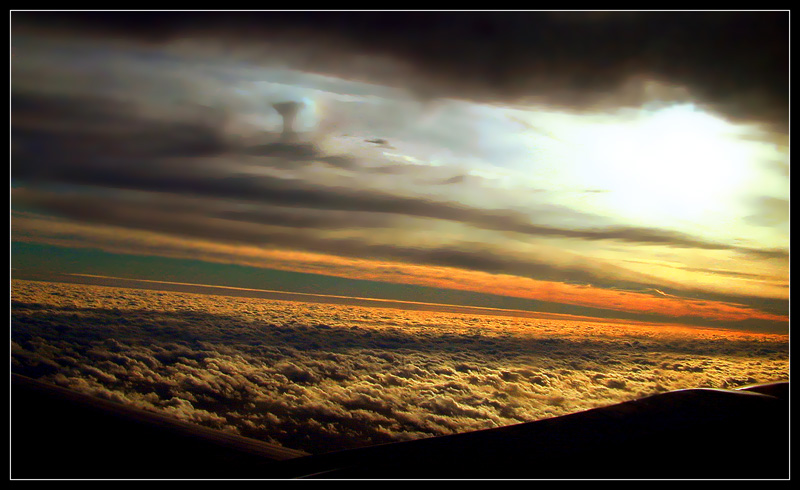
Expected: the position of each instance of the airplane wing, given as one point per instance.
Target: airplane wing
(685, 434)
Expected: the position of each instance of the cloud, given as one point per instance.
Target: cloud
(55, 131)
(289, 155)
(689, 305)
(771, 212)
(381, 143)
(187, 179)
(471, 256)
(561, 58)
(326, 377)
(183, 141)
(297, 204)
(288, 112)
(456, 179)
(108, 141)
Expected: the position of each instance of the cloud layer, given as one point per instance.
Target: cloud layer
(323, 377)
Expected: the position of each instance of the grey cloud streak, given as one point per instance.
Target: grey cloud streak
(291, 231)
(184, 179)
(771, 211)
(287, 228)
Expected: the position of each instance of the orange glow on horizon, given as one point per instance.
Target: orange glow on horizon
(148, 243)
(550, 291)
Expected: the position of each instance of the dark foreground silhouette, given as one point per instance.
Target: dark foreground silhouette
(685, 434)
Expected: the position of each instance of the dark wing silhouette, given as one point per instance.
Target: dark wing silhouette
(685, 434)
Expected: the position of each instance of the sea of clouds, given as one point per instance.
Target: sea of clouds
(320, 377)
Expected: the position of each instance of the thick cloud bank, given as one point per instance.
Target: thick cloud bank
(323, 377)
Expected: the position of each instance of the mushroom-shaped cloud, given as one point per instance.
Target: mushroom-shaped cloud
(288, 111)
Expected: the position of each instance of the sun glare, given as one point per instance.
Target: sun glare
(675, 165)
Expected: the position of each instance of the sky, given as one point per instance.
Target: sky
(617, 164)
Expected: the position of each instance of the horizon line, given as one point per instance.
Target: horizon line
(101, 280)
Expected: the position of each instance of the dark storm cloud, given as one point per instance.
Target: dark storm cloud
(37, 109)
(736, 61)
(51, 132)
(54, 132)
